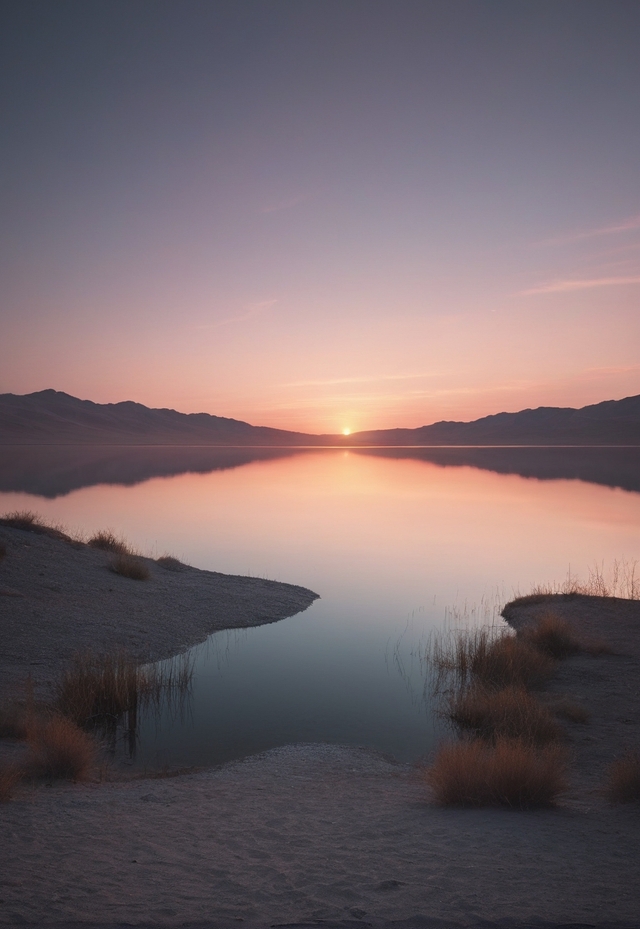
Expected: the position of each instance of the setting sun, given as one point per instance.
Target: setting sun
(346, 432)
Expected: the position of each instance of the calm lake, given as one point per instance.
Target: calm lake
(395, 542)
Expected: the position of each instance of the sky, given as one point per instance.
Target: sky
(321, 214)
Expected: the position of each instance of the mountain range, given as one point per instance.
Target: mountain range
(50, 417)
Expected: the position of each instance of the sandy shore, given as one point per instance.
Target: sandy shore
(325, 835)
(307, 834)
(57, 598)
(607, 686)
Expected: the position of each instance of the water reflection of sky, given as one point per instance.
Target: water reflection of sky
(388, 544)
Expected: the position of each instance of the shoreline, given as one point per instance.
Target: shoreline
(58, 596)
(606, 685)
(323, 834)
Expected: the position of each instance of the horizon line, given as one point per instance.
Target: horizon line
(319, 435)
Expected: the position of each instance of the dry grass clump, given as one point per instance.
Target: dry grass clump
(510, 713)
(95, 688)
(622, 579)
(514, 759)
(10, 776)
(130, 566)
(23, 519)
(510, 662)
(29, 521)
(507, 773)
(169, 563)
(108, 541)
(623, 784)
(552, 635)
(96, 691)
(60, 749)
(492, 658)
(127, 561)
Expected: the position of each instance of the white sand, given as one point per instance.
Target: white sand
(315, 833)
(303, 834)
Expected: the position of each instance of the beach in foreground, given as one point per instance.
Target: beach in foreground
(318, 833)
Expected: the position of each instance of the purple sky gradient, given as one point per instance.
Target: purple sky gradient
(320, 215)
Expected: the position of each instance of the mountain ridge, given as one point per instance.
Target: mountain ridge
(50, 417)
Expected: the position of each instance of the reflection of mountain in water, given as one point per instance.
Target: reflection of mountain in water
(55, 470)
(613, 467)
(52, 471)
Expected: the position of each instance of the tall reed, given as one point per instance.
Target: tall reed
(96, 691)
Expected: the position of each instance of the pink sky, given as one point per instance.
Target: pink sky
(323, 216)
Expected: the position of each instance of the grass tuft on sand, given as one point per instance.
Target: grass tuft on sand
(28, 521)
(493, 659)
(623, 782)
(622, 579)
(552, 635)
(509, 773)
(510, 713)
(108, 541)
(510, 662)
(92, 697)
(130, 566)
(485, 674)
(60, 749)
(127, 561)
(169, 563)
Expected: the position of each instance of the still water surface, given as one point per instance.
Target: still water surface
(390, 543)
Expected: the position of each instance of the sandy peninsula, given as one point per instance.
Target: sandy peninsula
(57, 597)
(308, 834)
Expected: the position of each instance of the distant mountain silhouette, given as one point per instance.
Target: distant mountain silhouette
(614, 422)
(50, 417)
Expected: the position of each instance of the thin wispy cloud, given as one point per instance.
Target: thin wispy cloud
(612, 370)
(560, 287)
(473, 390)
(627, 225)
(366, 379)
(377, 401)
(252, 309)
